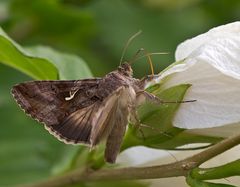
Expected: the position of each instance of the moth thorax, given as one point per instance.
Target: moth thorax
(125, 69)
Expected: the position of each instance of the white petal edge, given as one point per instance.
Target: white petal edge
(187, 47)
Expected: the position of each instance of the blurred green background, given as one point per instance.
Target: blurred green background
(97, 31)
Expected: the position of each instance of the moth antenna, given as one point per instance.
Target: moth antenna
(151, 54)
(136, 56)
(128, 43)
(146, 54)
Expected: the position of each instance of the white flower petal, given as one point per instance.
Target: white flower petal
(187, 47)
(212, 66)
(217, 97)
(222, 53)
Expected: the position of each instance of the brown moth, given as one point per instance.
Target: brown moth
(86, 111)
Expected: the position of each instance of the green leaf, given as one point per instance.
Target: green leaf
(158, 118)
(41, 62)
(13, 55)
(69, 66)
(226, 170)
(197, 175)
(198, 183)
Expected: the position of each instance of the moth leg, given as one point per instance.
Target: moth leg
(143, 82)
(155, 129)
(142, 134)
(134, 116)
(146, 96)
(136, 122)
(139, 126)
(143, 96)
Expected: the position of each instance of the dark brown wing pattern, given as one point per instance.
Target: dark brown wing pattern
(46, 101)
(83, 118)
(88, 125)
(76, 128)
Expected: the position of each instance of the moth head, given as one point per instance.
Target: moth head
(125, 69)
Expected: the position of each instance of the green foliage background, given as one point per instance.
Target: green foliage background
(95, 30)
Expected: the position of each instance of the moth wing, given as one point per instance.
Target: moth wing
(116, 135)
(88, 125)
(76, 128)
(114, 125)
(46, 101)
(104, 118)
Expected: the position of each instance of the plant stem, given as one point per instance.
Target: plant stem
(180, 168)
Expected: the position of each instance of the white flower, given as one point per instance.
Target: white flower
(211, 63)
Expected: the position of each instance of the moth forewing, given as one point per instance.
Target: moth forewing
(87, 125)
(45, 100)
(75, 129)
(125, 102)
(102, 120)
(115, 138)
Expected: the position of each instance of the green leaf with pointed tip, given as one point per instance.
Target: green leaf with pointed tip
(160, 116)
